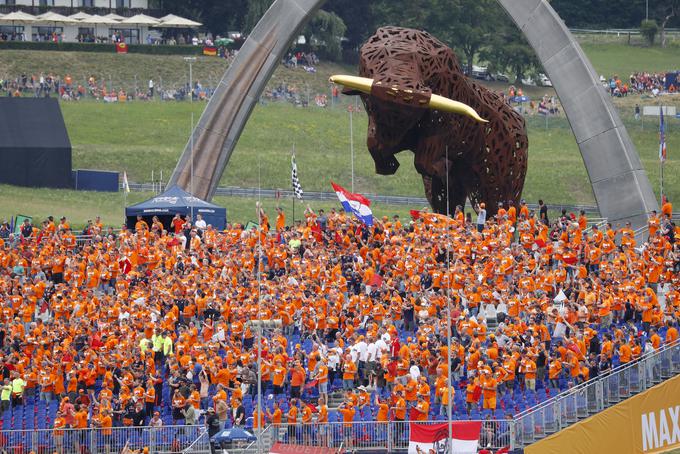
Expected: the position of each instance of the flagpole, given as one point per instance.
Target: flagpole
(191, 136)
(294, 196)
(661, 192)
(662, 146)
(351, 143)
(259, 303)
(126, 185)
(449, 409)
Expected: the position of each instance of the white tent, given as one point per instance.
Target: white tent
(177, 22)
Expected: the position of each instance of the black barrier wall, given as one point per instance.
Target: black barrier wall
(35, 150)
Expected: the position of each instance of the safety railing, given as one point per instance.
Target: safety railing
(185, 439)
(596, 395)
(392, 436)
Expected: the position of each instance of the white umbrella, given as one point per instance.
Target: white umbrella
(96, 20)
(140, 19)
(54, 18)
(115, 17)
(18, 16)
(80, 16)
(177, 22)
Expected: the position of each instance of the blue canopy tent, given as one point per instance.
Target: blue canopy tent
(176, 200)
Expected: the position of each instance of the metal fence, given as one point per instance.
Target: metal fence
(186, 439)
(372, 435)
(596, 395)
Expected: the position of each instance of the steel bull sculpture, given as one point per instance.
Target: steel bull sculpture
(618, 179)
(417, 98)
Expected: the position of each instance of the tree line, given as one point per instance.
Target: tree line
(478, 30)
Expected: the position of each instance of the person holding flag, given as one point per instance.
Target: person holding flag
(356, 204)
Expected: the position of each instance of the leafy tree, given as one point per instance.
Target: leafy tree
(217, 16)
(600, 13)
(509, 51)
(648, 29)
(255, 11)
(325, 32)
(666, 12)
(361, 19)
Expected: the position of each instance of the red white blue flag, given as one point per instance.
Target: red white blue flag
(356, 204)
(662, 136)
(426, 438)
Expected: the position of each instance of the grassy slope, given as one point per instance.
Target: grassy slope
(612, 58)
(139, 137)
(123, 70)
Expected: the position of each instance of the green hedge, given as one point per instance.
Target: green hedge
(110, 48)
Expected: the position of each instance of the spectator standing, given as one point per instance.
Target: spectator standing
(481, 216)
(190, 416)
(222, 411)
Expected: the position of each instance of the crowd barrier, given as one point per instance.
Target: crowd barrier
(392, 436)
(186, 439)
(596, 395)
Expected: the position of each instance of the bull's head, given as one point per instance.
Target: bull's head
(394, 112)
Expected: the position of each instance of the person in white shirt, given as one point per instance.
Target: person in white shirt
(371, 362)
(381, 345)
(501, 311)
(200, 223)
(481, 216)
(361, 347)
(414, 371)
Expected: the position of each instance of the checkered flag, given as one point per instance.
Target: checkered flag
(297, 189)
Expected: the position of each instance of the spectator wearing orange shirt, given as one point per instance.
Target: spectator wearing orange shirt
(297, 380)
(347, 411)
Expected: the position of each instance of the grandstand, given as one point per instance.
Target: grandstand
(337, 291)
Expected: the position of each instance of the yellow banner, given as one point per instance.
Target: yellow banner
(647, 423)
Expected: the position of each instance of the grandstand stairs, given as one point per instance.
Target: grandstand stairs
(578, 403)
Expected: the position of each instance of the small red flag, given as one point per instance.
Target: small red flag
(376, 280)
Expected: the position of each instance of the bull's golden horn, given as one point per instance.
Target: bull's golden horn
(437, 102)
(449, 105)
(362, 84)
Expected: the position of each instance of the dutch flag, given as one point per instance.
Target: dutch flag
(357, 204)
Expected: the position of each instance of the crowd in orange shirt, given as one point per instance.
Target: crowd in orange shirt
(143, 321)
